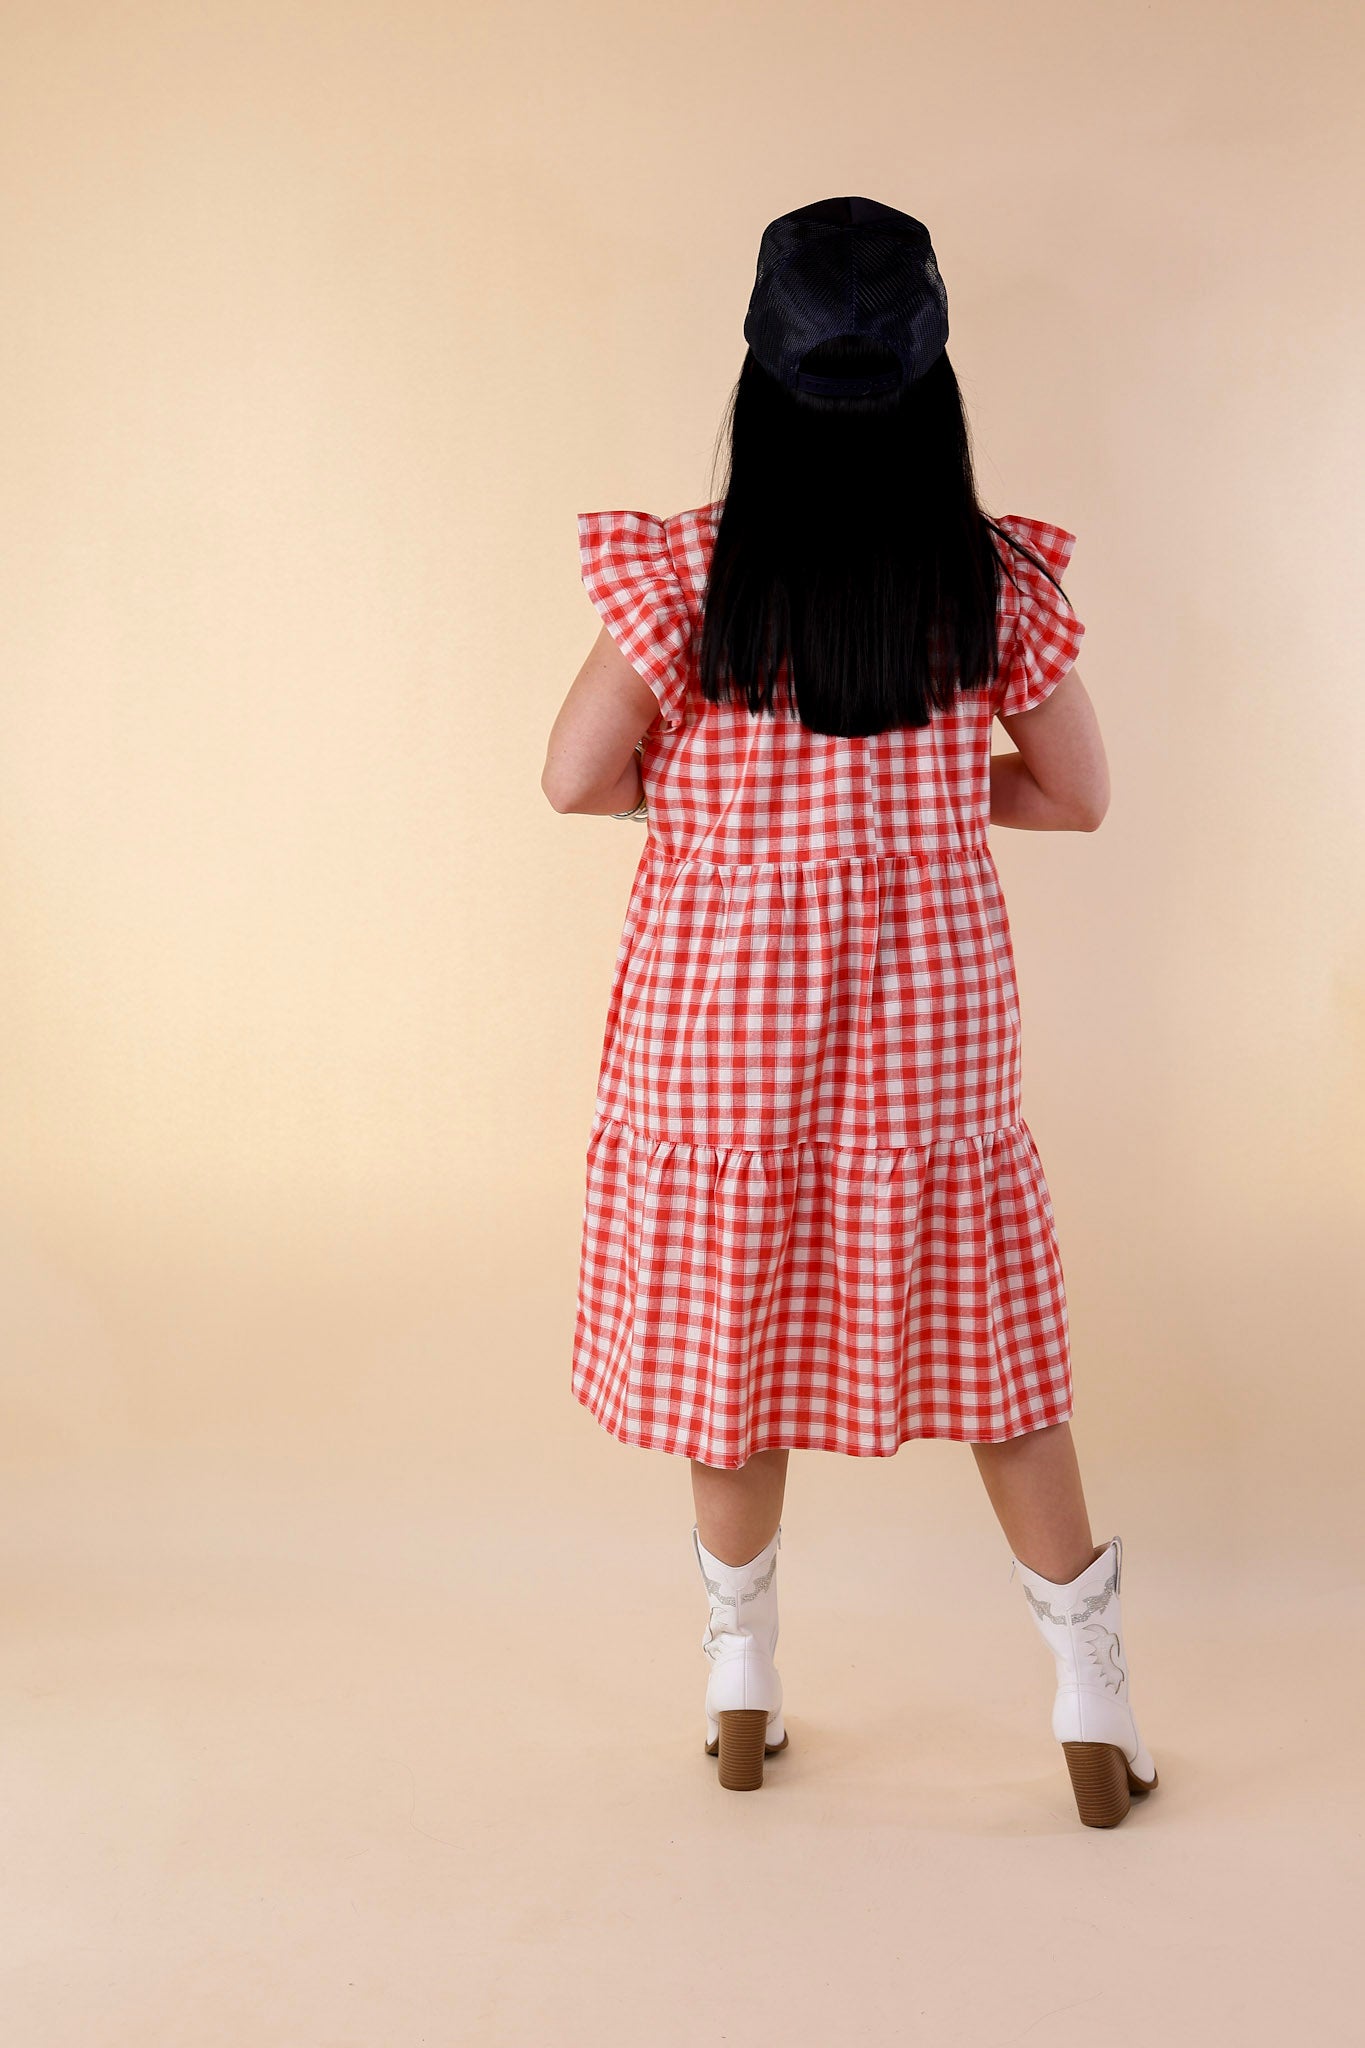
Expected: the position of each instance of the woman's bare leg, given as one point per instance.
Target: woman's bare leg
(738, 1512)
(1034, 1483)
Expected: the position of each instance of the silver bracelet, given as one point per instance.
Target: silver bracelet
(641, 809)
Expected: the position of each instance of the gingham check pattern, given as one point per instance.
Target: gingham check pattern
(814, 1214)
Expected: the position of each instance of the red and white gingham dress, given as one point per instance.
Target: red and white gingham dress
(814, 1214)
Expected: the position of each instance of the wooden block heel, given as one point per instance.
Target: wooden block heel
(1101, 1781)
(742, 1745)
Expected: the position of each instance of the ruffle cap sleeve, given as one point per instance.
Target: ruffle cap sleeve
(628, 573)
(1044, 638)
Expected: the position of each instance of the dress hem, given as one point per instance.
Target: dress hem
(804, 1441)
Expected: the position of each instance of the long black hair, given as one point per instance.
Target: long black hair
(852, 559)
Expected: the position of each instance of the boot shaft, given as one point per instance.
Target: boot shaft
(1082, 1624)
(743, 1598)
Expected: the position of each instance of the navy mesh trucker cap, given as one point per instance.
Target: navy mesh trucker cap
(844, 267)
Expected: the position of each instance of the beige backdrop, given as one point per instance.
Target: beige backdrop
(351, 1673)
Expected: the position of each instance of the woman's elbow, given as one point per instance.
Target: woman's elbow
(556, 790)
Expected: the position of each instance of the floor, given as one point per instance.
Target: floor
(296, 1761)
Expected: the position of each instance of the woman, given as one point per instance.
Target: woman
(815, 1217)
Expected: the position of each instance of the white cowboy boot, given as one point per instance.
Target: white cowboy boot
(744, 1692)
(1092, 1717)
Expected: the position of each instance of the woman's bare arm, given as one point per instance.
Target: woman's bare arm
(1058, 781)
